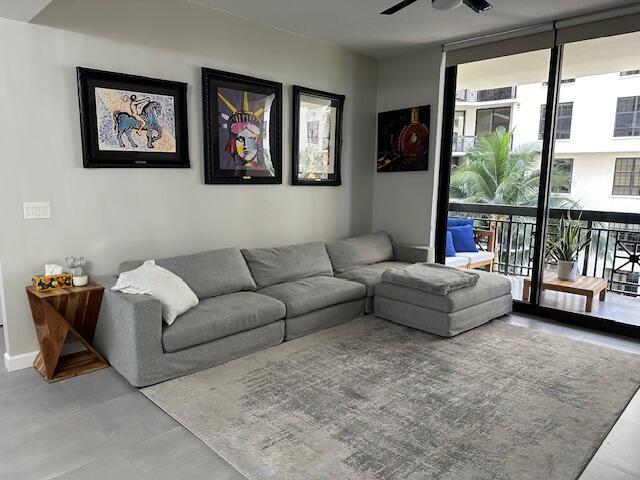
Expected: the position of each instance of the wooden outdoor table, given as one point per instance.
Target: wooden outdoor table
(585, 286)
(56, 313)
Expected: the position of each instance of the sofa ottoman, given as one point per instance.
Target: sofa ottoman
(445, 315)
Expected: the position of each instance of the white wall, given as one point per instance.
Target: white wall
(592, 145)
(404, 203)
(595, 99)
(110, 215)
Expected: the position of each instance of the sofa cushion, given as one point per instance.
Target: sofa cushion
(370, 275)
(450, 249)
(475, 257)
(208, 274)
(313, 293)
(219, 317)
(463, 238)
(457, 261)
(270, 266)
(460, 221)
(489, 286)
(365, 250)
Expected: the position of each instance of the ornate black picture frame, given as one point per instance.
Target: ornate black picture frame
(317, 137)
(128, 121)
(242, 129)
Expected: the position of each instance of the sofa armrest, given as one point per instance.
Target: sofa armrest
(488, 236)
(413, 253)
(129, 330)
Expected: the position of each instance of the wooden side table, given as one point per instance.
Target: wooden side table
(588, 287)
(58, 312)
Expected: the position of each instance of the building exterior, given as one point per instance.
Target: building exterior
(597, 138)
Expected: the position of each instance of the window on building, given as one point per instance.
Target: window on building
(313, 132)
(627, 117)
(458, 122)
(626, 232)
(626, 178)
(630, 73)
(488, 119)
(563, 121)
(563, 168)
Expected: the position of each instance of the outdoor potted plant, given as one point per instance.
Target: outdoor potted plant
(567, 245)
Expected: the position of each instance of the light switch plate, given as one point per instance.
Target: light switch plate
(36, 210)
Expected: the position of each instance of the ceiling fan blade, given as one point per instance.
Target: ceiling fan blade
(397, 7)
(478, 6)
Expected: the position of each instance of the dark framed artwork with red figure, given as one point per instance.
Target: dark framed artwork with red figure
(403, 140)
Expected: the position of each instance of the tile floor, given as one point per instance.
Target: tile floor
(99, 427)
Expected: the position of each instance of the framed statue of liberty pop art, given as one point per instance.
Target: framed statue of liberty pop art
(242, 129)
(132, 121)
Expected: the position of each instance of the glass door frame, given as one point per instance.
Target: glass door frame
(534, 306)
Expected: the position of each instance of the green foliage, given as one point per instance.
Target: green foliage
(569, 241)
(496, 173)
(312, 163)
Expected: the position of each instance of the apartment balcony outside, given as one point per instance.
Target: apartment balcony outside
(463, 143)
(613, 253)
(486, 95)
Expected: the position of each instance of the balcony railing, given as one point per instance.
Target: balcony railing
(487, 95)
(463, 143)
(612, 253)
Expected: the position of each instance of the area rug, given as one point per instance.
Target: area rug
(373, 400)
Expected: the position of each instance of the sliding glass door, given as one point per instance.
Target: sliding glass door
(596, 183)
(541, 154)
(495, 161)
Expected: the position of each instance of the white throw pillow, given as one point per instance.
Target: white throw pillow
(150, 279)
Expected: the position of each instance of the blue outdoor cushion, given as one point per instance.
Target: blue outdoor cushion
(459, 221)
(463, 240)
(451, 250)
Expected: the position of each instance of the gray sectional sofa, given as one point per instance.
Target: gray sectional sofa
(249, 300)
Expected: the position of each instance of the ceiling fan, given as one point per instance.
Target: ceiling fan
(477, 6)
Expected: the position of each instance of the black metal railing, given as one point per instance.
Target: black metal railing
(486, 95)
(463, 143)
(613, 251)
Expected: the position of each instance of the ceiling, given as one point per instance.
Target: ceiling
(358, 25)
(23, 10)
(589, 57)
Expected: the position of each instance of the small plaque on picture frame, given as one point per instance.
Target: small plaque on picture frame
(317, 137)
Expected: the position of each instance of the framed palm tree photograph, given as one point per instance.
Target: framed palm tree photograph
(317, 137)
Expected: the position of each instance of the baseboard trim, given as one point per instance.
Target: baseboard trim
(19, 362)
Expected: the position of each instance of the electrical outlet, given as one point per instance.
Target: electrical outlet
(36, 210)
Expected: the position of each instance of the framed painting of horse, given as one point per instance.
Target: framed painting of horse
(242, 129)
(132, 121)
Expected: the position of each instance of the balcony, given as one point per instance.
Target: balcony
(463, 143)
(613, 254)
(488, 95)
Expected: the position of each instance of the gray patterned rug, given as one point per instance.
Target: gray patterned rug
(374, 400)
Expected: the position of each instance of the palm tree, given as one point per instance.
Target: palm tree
(497, 174)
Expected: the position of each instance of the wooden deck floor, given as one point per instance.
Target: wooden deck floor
(617, 307)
